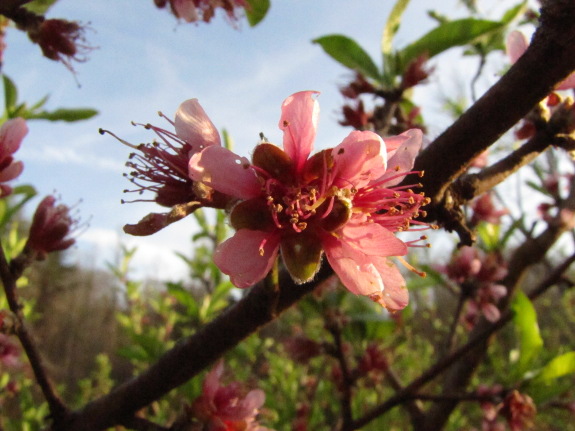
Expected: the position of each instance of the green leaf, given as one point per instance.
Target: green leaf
(39, 7)
(559, 366)
(256, 10)
(525, 319)
(514, 12)
(63, 114)
(448, 35)
(392, 25)
(348, 52)
(547, 383)
(10, 93)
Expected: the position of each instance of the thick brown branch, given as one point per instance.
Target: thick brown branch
(547, 61)
(192, 355)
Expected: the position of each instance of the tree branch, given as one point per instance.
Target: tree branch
(193, 354)
(547, 61)
(58, 410)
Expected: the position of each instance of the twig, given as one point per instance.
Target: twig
(435, 370)
(333, 326)
(58, 411)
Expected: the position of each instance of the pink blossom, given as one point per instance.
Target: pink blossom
(227, 408)
(515, 47)
(344, 202)
(12, 133)
(161, 167)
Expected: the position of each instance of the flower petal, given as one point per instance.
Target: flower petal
(242, 259)
(372, 276)
(361, 157)
(11, 134)
(194, 126)
(515, 45)
(13, 170)
(395, 295)
(298, 121)
(225, 171)
(353, 267)
(401, 159)
(372, 239)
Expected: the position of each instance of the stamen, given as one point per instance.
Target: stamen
(410, 267)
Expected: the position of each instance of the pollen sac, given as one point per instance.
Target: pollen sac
(274, 161)
(301, 254)
(337, 216)
(252, 214)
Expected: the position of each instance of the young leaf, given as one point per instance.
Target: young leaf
(40, 7)
(391, 26)
(448, 35)
(10, 94)
(525, 319)
(559, 366)
(63, 114)
(348, 52)
(256, 10)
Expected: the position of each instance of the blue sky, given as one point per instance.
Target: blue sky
(145, 62)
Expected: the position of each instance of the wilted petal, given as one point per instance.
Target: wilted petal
(247, 256)
(194, 126)
(360, 158)
(298, 121)
(401, 159)
(224, 171)
(185, 9)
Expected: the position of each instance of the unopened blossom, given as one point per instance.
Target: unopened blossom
(519, 410)
(161, 168)
(343, 201)
(227, 407)
(9, 352)
(52, 226)
(12, 133)
(484, 210)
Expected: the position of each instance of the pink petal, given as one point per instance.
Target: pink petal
(515, 45)
(240, 256)
(360, 158)
(225, 171)
(401, 159)
(194, 126)
(371, 276)
(298, 121)
(372, 239)
(567, 83)
(12, 171)
(212, 381)
(394, 296)
(11, 134)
